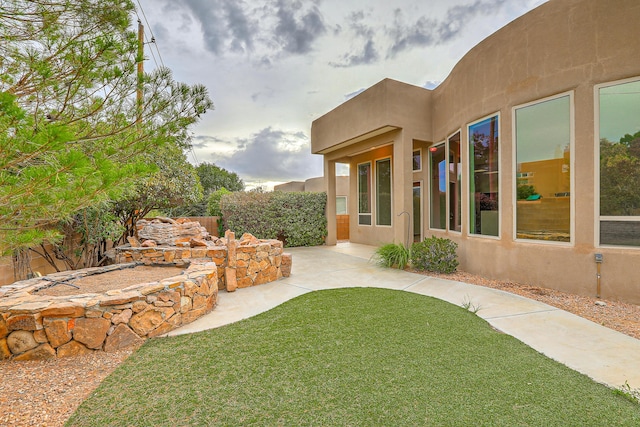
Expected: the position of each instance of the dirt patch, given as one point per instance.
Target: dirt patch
(116, 279)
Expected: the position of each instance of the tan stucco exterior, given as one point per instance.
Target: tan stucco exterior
(561, 47)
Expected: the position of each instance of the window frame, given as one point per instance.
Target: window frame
(596, 169)
(419, 151)
(371, 208)
(376, 192)
(572, 178)
(462, 170)
(442, 144)
(467, 169)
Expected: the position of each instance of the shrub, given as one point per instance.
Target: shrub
(298, 219)
(392, 255)
(435, 254)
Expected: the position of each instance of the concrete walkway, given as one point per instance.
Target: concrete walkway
(607, 356)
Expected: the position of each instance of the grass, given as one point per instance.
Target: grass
(360, 357)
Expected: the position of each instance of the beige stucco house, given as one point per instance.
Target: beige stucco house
(519, 156)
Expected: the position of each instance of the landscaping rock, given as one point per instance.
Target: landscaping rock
(122, 337)
(91, 332)
(73, 348)
(21, 341)
(43, 351)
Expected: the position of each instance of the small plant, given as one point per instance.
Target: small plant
(468, 305)
(631, 394)
(435, 254)
(393, 255)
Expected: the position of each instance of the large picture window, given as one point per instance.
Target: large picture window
(383, 192)
(364, 194)
(543, 176)
(619, 134)
(437, 187)
(484, 177)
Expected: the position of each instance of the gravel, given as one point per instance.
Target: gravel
(45, 393)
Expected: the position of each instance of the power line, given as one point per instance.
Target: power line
(153, 37)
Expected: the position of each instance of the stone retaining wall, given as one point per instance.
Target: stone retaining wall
(36, 326)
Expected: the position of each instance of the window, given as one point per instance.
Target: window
(437, 187)
(341, 205)
(364, 194)
(619, 156)
(417, 211)
(455, 183)
(417, 160)
(543, 177)
(383, 192)
(483, 177)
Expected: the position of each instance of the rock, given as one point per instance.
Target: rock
(139, 306)
(64, 309)
(21, 341)
(146, 321)
(135, 243)
(171, 233)
(5, 353)
(122, 337)
(197, 242)
(43, 351)
(185, 304)
(230, 279)
(149, 244)
(4, 331)
(57, 331)
(601, 303)
(73, 348)
(286, 263)
(91, 332)
(123, 317)
(25, 322)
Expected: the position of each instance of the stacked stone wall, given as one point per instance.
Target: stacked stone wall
(35, 326)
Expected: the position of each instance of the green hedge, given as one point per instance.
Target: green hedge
(298, 219)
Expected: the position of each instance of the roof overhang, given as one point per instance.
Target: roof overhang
(360, 138)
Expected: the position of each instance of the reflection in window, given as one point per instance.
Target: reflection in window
(620, 164)
(383, 192)
(483, 177)
(455, 184)
(543, 178)
(364, 194)
(417, 160)
(438, 187)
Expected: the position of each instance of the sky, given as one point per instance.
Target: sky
(273, 66)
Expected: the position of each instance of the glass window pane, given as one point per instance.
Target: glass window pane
(620, 233)
(364, 193)
(417, 211)
(417, 160)
(341, 205)
(543, 177)
(620, 150)
(438, 188)
(383, 192)
(483, 177)
(455, 184)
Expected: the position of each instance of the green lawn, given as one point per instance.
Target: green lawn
(359, 357)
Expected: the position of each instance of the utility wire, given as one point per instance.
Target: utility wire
(153, 37)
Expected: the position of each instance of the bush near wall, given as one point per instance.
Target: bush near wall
(298, 219)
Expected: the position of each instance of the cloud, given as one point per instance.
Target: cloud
(426, 32)
(224, 23)
(272, 155)
(367, 52)
(296, 28)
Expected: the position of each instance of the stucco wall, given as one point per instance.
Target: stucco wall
(563, 46)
